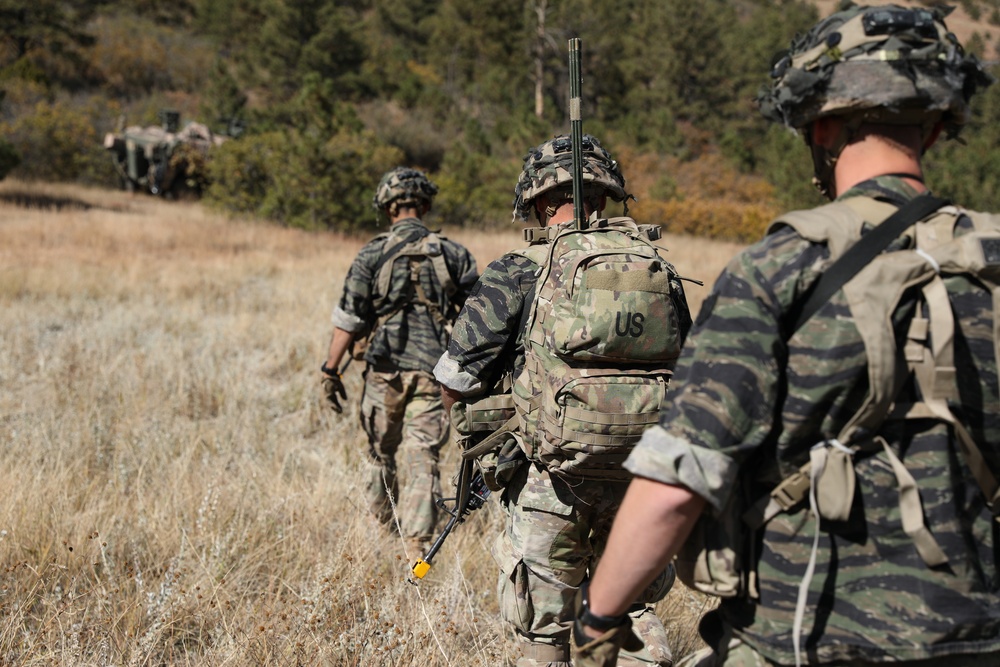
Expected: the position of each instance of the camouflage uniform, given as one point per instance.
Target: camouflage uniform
(754, 396)
(555, 529)
(742, 398)
(401, 407)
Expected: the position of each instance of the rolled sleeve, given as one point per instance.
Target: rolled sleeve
(346, 321)
(448, 372)
(666, 458)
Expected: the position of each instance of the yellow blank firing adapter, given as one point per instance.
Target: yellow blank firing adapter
(421, 568)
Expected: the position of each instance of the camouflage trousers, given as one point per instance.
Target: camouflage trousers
(553, 538)
(740, 654)
(402, 413)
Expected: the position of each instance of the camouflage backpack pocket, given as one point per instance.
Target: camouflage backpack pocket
(591, 423)
(484, 428)
(618, 312)
(489, 413)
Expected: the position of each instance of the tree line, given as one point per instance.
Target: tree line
(334, 92)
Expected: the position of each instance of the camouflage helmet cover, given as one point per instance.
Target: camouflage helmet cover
(550, 166)
(403, 185)
(888, 63)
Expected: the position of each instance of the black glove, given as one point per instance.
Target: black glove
(600, 651)
(333, 387)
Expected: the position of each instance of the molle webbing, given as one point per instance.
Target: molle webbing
(873, 295)
(600, 340)
(860, 254)
(417, 247)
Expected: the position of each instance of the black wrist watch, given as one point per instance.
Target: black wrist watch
(596, 621)
(328, 371)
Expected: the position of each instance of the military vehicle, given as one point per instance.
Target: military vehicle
(162, 159)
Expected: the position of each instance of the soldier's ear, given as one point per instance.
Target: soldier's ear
(933, 136)
(825, 131)
(541, 201)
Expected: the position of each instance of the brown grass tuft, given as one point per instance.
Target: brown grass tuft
(174, 491)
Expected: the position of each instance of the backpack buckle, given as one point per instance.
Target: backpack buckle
(791, 491)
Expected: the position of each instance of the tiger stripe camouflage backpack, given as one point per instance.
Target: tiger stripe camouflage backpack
(602, 335)
(947, 243)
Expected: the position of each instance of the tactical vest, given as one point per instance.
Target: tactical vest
(601, 338)
(717, 559)
(417, 248)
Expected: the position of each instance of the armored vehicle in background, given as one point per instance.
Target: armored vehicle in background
(163, 160)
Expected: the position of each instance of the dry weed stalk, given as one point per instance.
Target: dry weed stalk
(174, 491)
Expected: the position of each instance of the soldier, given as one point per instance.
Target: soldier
(401, 295)
(556, 524)
(829, 398)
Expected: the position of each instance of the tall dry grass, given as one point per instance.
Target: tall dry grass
(174, 492)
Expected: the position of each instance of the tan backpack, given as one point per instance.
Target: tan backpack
(416, 248)
(717, 558)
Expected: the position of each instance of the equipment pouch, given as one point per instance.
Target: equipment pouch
(480, 421)
(360, 347)
(712, 559)
(489, 413)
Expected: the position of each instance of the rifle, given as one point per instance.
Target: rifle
(471, 493)
(576, 130)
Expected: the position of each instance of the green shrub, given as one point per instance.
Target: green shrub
(475, 189)
(58, 141)
(134, 56)
(9, 158)
(288, 177)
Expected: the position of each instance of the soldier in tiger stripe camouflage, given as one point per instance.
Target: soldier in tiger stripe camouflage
(754, 398)
(401, 295)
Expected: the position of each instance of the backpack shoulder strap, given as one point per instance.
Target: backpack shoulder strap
(390, 252)
(858, 255)
(538, 253)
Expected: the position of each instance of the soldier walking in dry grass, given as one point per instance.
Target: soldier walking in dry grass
(625, 316)
(837, 402)
(401, 295)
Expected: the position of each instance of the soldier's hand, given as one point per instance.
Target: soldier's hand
(333, 389)
(601, 651)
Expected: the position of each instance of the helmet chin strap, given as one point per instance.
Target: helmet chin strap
(823, 167)
(825, 158)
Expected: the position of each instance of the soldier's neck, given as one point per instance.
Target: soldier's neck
(564, 213)
(405, 214)
(871, 157)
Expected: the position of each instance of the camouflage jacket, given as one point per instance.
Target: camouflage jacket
(872, 597)
(486, 340)
(410, 339)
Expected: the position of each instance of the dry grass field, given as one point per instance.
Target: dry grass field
(173, 490)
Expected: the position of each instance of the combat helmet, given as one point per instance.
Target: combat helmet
(402, 186)
(549, 167)
(880, 64)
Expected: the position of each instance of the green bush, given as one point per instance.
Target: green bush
(9, 158)
(288, 177)
(58, 141)
(316, 167)
(475, 189)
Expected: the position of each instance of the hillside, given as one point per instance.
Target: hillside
(332, 93)
(964, 25)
